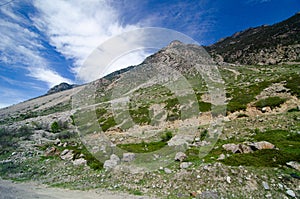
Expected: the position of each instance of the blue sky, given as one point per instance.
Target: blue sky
(45, 42)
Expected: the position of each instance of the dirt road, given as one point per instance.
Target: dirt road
(10, 190)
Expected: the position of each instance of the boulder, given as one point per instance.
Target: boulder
(112, 162)
(262, 145)
(291, 193)
(265, 185)
(66, 154)
(167, 170)
(180, 156)
(294, 165)
(185, 165)
(50, 151)
(80, 161)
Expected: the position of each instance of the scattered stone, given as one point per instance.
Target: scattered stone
(265, 185)
(115, 158)
(248, 147)
(66, 154)
(167, 170)
(50, 151)
(291, 193)
(209, 194)
(180, 156)
(65, 144)
(112, 162)
(185, 165)
(128, 157)
(80, 161)
(57, 141)
(221, 157)
(228, 179)
(294, 165)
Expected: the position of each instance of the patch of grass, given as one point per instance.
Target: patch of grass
(143, 147)
(272, 102)
(167, 136)
(293, 110)
(106, 123)
(287, 142)
(140, 115)
(242, 96)
(293, 83)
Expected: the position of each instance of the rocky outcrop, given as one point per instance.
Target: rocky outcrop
(248, 147)
(61, 87)
(264, 45)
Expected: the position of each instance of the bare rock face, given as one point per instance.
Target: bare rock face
(263, 45)
(61, 87)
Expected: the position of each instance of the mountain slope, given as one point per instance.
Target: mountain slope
(261, 45)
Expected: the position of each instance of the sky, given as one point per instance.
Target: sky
(46, 42)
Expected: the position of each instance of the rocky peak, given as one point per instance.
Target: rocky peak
(266, 44)
(61, 87)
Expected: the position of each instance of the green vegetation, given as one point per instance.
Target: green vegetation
(143, 147)
(287, 142)
(167, 136)
(146, 147)
(272, 102)
(55, 127)
(140, 115)
(242, 96)
(293, 83)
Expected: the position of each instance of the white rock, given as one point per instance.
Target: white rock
(221, 157)
(67, 154)
(228, 179)
(266, 186)
(167, 170)
(294, 165)
(291, 193)
(80, 161)
(185, 165)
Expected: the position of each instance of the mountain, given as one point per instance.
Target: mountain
(176, 125)
(267, 44)
(61, 87)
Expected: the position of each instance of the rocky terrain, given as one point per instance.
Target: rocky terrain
(176, 126)
(267, 44)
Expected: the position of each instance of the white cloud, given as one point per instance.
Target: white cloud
(77, 27)
(47, 75)
(20, 47)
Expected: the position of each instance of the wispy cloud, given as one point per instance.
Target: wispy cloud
(76, 28)
(21, 46)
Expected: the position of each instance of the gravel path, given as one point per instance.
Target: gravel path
(10, 190)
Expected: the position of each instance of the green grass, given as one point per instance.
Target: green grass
(140, 115)
(287, 142)
(272, 102)
(293, 83)
(143, 147)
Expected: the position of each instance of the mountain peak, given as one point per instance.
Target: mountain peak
(60, 87)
